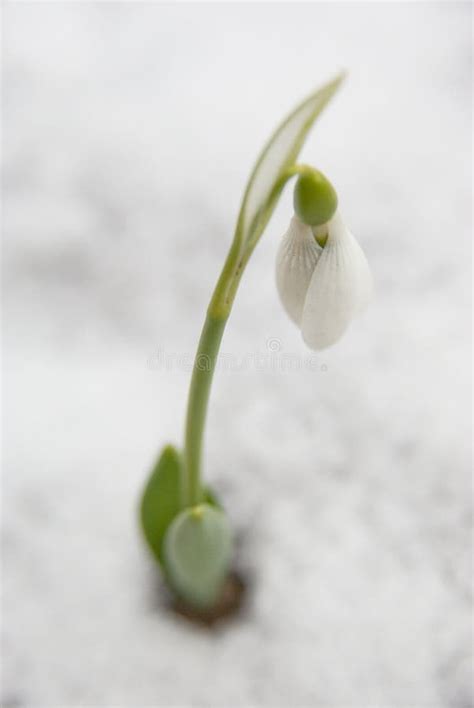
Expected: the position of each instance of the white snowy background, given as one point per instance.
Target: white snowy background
(129, 132)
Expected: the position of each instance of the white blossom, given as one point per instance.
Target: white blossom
(322, 289)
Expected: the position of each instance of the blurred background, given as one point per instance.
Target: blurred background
(129, 132)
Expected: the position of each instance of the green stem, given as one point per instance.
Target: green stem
(211, 336)
(203, 372)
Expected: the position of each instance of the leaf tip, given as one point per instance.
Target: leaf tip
(170, 451)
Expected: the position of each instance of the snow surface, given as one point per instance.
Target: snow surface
(129, 132)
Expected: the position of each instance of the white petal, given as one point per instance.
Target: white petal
(296, 259)
(340, 287)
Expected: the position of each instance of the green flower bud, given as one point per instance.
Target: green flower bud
(314, 198)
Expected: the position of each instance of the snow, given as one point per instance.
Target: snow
(129, 132)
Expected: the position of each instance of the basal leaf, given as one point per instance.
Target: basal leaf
(197, 553)
(161, 499)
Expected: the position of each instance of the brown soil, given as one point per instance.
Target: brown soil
(228, 605)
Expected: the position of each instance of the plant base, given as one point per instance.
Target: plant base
(228, 605)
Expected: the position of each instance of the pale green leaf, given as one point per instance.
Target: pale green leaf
(278, 155)
(196, 554)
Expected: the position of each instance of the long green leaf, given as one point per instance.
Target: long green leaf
(277, 156)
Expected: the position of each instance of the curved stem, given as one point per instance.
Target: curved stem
(211, 336)
(203, 371)
(204, 367)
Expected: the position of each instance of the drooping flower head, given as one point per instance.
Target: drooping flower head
(322, 274)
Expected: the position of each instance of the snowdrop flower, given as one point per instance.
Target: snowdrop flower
(323, 280)
(322, 288)
(296, 260)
